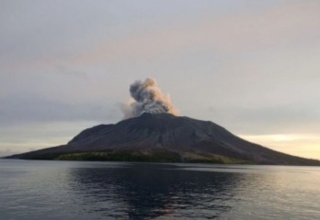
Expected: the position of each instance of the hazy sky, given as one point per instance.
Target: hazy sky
(250, 66)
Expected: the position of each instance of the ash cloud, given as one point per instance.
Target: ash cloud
(147, 98)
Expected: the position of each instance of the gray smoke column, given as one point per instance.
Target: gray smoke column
(147, 98)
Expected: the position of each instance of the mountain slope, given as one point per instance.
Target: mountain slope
(158, 133)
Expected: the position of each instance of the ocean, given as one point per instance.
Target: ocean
(110, 190)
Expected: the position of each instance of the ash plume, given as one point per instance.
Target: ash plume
(147, 98)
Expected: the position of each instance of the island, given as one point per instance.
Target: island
(164, 138)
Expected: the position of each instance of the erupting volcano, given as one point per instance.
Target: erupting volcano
(152, 131)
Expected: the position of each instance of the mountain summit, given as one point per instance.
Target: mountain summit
(164, 138)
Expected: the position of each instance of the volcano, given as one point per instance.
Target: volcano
(164, 138)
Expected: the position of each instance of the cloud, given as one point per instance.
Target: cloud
(237, 33)
(40, 134)
(303, 145)
(254, 120)
(63, 69)
(31, 110)
(256, 65)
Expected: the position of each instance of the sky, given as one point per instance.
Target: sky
(250, 66)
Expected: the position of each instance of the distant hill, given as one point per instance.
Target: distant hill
(164, 138)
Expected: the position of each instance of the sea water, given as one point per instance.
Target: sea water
(109, 190)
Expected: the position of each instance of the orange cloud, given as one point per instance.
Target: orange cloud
(303, 145)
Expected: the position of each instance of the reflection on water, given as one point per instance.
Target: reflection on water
(54, 190)
(141, 191)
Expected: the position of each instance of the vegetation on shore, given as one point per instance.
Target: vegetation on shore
(193, 157)
(124, 155)
(151, 155)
